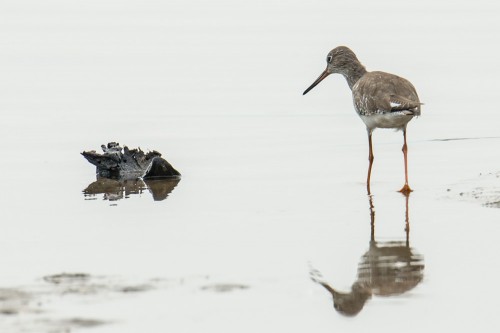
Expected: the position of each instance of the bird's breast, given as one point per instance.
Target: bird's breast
(396, 120)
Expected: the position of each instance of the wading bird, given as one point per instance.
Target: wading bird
(382, 100)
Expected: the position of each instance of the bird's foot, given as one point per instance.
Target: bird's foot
(406, 190)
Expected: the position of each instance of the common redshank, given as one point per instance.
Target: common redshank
(382, 100)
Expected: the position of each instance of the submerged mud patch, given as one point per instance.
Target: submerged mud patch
(485, 189)
(36, 308)
(13, 301)
(82, 322)
(31, 308)
(53, 325)
(224, 287)
(85, 284)
(66, 278)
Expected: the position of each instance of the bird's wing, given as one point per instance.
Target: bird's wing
(380, 92)
(400, 103)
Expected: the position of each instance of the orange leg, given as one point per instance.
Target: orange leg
(370, 159)
(406, 188)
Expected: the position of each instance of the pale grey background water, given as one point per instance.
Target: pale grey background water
(273, 181)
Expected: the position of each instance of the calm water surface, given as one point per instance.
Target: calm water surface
(270, 228)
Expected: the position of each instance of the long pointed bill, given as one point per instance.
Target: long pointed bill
(318, 80)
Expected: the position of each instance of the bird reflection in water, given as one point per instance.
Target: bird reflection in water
(114, 189)
(388, 268)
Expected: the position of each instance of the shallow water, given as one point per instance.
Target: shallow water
(273, 190)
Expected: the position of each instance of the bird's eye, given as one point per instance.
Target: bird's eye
(329, 59)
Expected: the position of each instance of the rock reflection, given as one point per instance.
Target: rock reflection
(388, 268)
(113, 189)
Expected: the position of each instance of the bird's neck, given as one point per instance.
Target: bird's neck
(354, 73)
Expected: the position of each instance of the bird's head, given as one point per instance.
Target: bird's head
(339, 60)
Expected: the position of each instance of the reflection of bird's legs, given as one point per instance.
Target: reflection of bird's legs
(407, 221)
(372, 218)
(370, 159)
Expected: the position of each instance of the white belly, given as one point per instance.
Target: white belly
(397, 120)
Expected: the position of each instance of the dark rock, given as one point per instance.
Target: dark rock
(129, 163)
